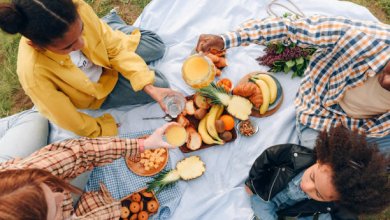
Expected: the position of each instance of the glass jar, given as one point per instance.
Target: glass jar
(198, 71)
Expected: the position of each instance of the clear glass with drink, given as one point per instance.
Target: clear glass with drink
(175, 104)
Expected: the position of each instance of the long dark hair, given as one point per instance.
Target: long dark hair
(41, 21)
(359, 170)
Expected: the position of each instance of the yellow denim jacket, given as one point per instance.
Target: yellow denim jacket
(58, 88)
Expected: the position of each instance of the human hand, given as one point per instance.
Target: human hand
(206, 42)
(384, 77)
(247, 190)
(159, 94)
(155, 140)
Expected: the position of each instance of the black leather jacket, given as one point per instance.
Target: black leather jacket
(276, 167)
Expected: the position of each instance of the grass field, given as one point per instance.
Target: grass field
(12, 98)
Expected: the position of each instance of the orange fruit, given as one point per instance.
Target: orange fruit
(228, 120)
(226, 84)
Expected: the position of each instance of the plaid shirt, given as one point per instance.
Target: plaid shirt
(348, 52)
(69, 159)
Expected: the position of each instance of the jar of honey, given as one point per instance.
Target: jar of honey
(198, 71)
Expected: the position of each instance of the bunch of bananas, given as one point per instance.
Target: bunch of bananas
(268, 88)
(207, 128)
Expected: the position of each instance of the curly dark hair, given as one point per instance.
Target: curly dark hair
(41, 21)
(359, 170)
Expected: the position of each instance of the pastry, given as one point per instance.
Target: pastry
(124, 212)
(147, 194)
(134, 217)
(251, 91)
(135, 197)
(134, 207)
(141, 204)
(143, 215)
(152, 206)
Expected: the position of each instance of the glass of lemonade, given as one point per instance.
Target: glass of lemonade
(176, 135)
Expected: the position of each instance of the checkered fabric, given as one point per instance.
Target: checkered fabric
(348, 52)
(120, 182)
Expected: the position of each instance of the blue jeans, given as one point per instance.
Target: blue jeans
(150, 48)
(308, 136)
(22, 134)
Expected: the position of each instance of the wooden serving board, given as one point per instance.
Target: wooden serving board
(194, 123)
(279, 99)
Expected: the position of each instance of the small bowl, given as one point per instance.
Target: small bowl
(254, 125)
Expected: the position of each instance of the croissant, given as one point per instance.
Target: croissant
(250, 91)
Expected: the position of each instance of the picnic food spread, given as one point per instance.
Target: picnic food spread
(206, 124)
(208, 118)
(139, 205)
(263, 90)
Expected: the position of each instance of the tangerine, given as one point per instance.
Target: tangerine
(228, 120)
(226, 84)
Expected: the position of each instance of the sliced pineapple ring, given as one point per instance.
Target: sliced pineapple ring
(191, 168)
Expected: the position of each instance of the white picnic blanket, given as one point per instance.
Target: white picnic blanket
(219, 193)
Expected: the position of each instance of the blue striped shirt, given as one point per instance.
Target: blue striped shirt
(348, 52)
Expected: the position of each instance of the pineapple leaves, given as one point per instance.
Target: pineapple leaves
(160, 182)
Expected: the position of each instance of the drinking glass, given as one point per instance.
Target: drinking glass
(175, 104)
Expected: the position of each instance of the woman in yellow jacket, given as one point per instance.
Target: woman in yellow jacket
(69, 59)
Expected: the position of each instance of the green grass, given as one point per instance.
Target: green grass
(102, 8)
(140, 3)
(9, 83)
(380, 8)
(385, 5)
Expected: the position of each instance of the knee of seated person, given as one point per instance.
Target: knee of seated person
(40, 121)
(153, 44)
(158, 49)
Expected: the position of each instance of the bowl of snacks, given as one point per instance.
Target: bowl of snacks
(139, 205)
(150, 163)
(247, 128)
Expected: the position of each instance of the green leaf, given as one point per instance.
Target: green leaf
(287, 69)
(279, 48)
(290, 63)
(295, 73)
(299, 60)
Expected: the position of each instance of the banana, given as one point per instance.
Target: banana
(271, 85)
(202, 129)
(266, 95)
(220, 112)
(210, 123)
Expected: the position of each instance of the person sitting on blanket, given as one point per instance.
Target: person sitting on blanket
(69, 59)
(347, 80)
(342, 175)
(36, 187)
